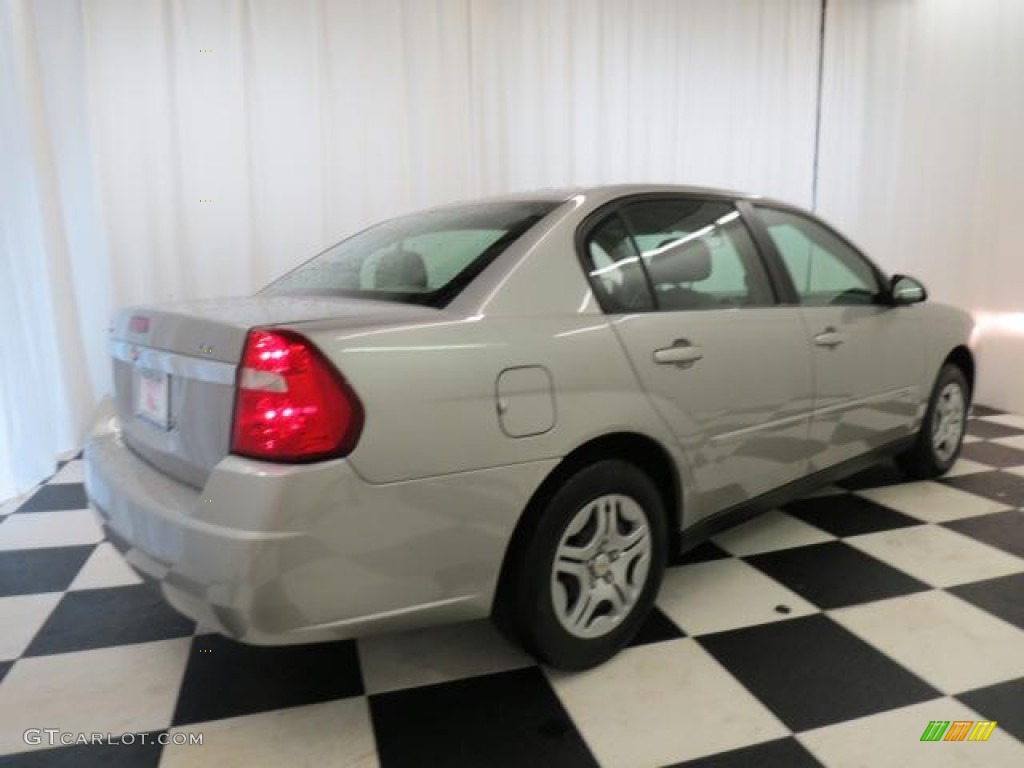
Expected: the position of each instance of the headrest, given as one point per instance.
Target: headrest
(401, 271)
(688, 262)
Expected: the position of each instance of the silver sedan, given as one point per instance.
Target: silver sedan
(518, 408)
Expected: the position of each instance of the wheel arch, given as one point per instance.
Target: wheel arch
(961, 357)
(644, 452)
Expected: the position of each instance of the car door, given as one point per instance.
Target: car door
(725, 366)
(868, 354)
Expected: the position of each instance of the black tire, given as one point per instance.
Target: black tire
(528, 611)
(922, 460)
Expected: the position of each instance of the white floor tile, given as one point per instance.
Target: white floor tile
(332, 733)
(947, 642)
(21, 616)
(932, 502)
(1019, 471)
(1007, 420)
(893, 740)
(725, 594)
(967, 467)
(662, 703)
(1017, 441)
(105, 568)
(110, 690)
(9, 505)
(436, 655)
(768, 532)
(72, 472)
(937, 556)
(32, 530)
(968, 439)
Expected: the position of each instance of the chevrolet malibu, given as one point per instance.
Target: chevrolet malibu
(519, 408)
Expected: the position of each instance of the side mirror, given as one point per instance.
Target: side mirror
(906, 290)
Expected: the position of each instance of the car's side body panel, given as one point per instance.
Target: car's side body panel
(431, 391)
(868, 386)
(757, 357)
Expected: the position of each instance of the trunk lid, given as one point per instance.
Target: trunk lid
(175, 364)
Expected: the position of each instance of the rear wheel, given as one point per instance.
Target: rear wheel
(590, 567)
(945, 422)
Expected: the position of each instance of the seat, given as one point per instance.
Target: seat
(401, 271)
(670, 269)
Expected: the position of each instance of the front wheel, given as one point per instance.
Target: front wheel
(942, 432)
(591, 566)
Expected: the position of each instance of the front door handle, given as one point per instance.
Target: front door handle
(682, 352)
(830, 337)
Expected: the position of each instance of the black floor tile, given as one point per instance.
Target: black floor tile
(1004, 487)
(781, 753)
(5, 667)
(702, 553)
(51, 498)
(115, 755)
(874, 477)
(100, 618)
(507, 719)
(1002, 702)
(989, 430)
(811, 672)
(1003, 530)
(1002, 597)
(31, 571)
(226, 679)
(656, 629)
(834, 574)
(845, 514)
(984, 410)
(993, 454)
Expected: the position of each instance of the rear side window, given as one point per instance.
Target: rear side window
(425, 258)
(674, 255)
(614, 268)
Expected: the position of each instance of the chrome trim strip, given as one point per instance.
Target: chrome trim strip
(893, 394)
(183, 366)
(726, 437)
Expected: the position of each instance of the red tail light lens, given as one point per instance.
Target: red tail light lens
(291, 404)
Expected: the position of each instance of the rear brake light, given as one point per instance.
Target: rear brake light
(139, 324)
(291, 404)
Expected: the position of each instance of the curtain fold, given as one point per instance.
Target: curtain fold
(922, 118)
(195, 148)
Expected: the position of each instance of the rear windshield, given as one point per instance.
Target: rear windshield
(425, 258)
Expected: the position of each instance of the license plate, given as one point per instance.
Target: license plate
(152, 399)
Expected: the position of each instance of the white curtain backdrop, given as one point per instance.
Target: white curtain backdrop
(158, 150)
(922, 161)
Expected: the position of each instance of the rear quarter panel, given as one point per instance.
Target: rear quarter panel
(429, 391)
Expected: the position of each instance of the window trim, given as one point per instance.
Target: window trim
(779, 265)
(598, 216)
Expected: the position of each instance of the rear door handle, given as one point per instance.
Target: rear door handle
(682, 352)
(830, 337)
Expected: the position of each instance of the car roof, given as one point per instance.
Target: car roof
(607, 192)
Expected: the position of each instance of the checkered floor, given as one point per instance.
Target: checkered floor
(827, 633)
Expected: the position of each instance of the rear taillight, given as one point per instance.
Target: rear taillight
(291, 404)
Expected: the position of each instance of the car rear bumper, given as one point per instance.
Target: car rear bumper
(278, 554)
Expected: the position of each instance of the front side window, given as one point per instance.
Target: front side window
(825, 270)
(425, 258)
(698, 254)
